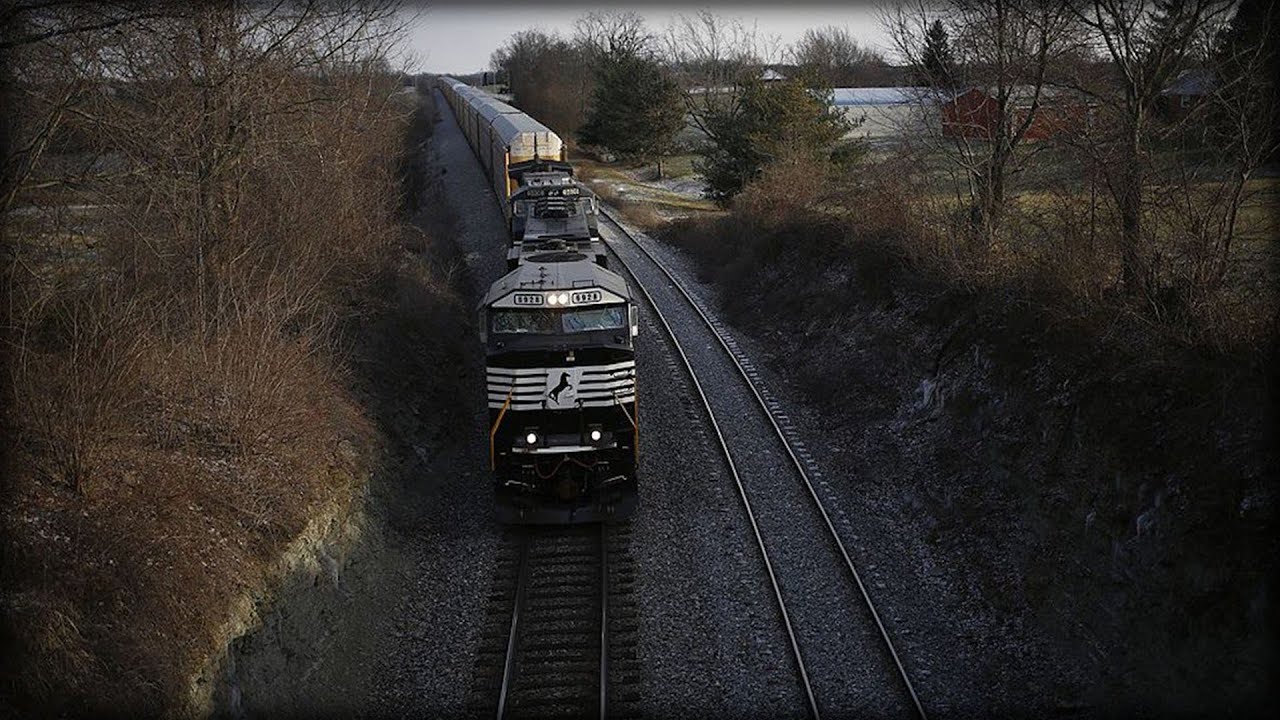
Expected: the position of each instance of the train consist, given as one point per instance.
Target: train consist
(558, 331)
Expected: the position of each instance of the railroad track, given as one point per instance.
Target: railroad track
(832, 624)
(561, 634)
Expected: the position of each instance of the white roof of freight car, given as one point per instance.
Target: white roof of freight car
(523, 134)
(490, 108)
(466, 91)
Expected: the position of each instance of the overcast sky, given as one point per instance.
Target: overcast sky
(457, 37)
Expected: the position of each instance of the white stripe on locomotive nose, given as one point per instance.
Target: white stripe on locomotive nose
(586, 403)
(622, 365)
(599, 385)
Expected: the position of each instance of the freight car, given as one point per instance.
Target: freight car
(501, 136)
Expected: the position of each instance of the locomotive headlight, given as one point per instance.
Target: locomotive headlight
(551, 299)
(595, 436)
(531, 438)
(563, 299)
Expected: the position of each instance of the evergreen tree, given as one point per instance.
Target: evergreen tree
(771, 120)
(937, 66)
(636, 110)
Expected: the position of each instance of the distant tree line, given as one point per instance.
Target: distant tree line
(617, 87)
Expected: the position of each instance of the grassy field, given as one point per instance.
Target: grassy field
(644, 199)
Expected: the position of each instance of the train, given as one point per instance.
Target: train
(558, 331)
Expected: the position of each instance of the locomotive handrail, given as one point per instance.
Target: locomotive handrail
(493, 431)
(635, 422)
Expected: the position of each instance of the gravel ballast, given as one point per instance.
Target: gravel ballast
(850, 670)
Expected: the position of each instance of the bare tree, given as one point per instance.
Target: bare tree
(1006, 49)
(175, 125)
(47, 51)
(832, 55)
(203, 193)
(601, 33)
(714, 59)
(518, 56)
(1147, 44)
(1204, 154)
(26, 22)
(550, 78)
(1243, 114)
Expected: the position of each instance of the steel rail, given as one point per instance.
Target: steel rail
(604, 621)
(509, 663)
(742, 491)
(786, 443)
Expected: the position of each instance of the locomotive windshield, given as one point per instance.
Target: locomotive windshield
(554, 322)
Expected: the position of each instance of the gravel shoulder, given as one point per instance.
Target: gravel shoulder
(846, 663)
(710, 641)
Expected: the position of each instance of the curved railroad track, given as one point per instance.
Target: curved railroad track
(798, 582)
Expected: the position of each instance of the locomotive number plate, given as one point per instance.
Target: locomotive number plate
(580, 298)
(527, 299)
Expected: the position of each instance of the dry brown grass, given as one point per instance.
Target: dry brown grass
(1056, 253)
(1061, 253)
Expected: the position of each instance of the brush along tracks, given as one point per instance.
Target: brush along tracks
(560, 636)
(844, 657)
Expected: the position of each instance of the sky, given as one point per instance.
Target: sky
(458, 37)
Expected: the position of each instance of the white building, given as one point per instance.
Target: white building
(886, 113)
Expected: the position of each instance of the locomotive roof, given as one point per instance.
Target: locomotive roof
(574, 226)
(539, 165)
(572, 275)
(547, 178)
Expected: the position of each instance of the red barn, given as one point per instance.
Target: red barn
(973, 113)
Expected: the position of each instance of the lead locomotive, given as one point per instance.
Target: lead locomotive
(560, 369)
